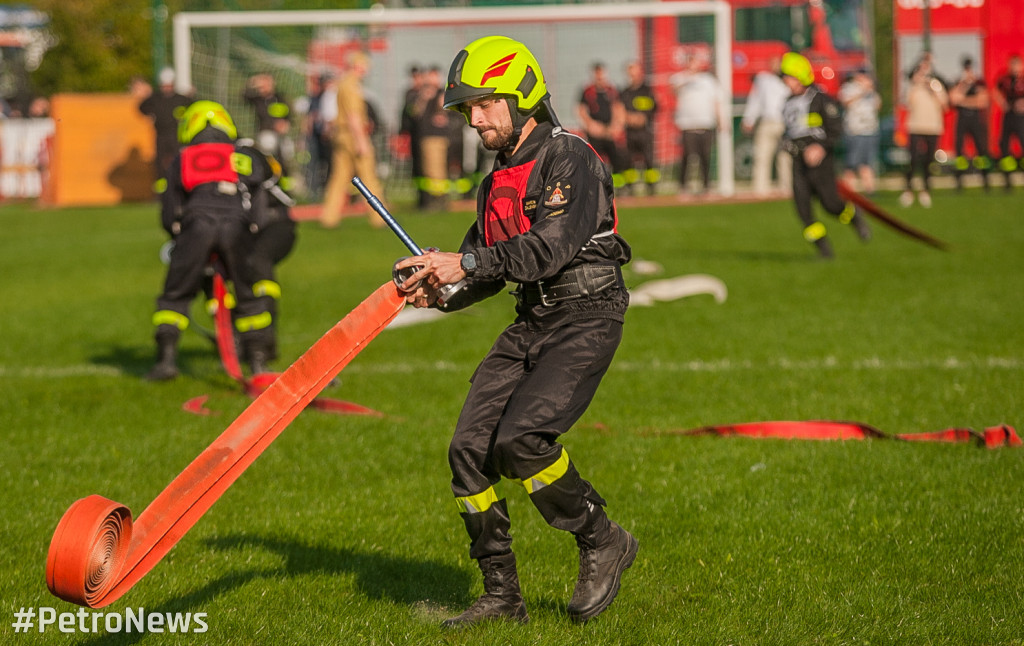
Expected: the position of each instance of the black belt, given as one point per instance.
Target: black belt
(578, 282)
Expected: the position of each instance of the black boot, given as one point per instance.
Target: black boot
(824, 248)
(166, 367)
(860, 223)
(258, 361)
(604, 556)
(501, 599)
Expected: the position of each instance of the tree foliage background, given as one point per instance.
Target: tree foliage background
(102, 44)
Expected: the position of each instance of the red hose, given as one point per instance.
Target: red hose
(96, 555)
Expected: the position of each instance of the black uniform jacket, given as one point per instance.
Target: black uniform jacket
(215, 176)
(547, 208)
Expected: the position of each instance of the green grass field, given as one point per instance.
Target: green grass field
(344, 531)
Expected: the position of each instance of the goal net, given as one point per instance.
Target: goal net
(215, 53)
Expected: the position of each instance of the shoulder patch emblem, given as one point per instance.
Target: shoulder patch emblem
(558, 196)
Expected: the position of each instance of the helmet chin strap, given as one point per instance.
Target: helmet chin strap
(518, 122)
(519, 119)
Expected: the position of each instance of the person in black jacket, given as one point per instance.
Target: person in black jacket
(546, 220)
(164, 107)
(641, 106)
(207, 209)
(813, 128)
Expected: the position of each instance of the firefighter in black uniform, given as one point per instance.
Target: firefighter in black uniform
(970, 98)
(546, 220)
(1010, 97)
(601, 112)
(207, 209)
(813, 128)
(640, 104)
(273, 232)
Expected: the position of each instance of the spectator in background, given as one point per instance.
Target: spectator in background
(762, 117)
(315, 133)
(604, 118)
(926, 102)
(353, 152)
(273, 116)
(969, 97)
(164, 107)
(1010, 97)
(411, 108)
(699, 114)
(38, 108)
(640, 106)
(861, 104)
(433, 130)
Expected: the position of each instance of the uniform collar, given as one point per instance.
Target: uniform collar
(528, 150)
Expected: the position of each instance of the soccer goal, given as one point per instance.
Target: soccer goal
(216, 52)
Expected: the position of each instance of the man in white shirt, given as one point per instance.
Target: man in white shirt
(698, 115)
(860, 128)
(762, 117)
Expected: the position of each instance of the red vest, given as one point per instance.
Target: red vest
(207, 163)
(504, 217)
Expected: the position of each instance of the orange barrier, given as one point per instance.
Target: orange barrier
(103, 150)
(97, 554)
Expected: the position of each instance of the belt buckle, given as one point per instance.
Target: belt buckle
(543, 294)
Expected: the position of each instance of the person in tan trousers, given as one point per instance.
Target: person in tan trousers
(353, 151)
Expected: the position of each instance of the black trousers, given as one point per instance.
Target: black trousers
(530, 389)
(815, 181)
(1013, 127)
(202, 235)
(610, 152)
(922, 152)
(697, 143)
(973, 127)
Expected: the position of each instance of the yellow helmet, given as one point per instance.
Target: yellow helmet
(201, 114)
(496, 65)
(798, 67)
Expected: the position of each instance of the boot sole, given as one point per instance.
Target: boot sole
(522, 619)
(627, 560)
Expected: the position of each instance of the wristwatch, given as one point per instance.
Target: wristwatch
(468, 264)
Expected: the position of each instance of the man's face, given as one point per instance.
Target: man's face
(491, 119)
(636, 73)
(795, 86)
(1016, 66)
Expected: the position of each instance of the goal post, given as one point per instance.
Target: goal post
(215, 51)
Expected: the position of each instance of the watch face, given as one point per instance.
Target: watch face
(468, 262)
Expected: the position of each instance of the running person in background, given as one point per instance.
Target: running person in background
(546, 220)
(813, 127)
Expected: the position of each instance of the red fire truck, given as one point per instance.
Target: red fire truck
(835, 35)
(987, 31)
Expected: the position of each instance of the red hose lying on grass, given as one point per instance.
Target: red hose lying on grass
(255, 386)
(96, 554)
(993, 437)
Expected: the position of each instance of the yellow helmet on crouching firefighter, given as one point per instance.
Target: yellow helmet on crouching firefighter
(199, 116)
(797, 66)
(496, 65)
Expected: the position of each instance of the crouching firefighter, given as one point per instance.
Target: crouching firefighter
(207, 209)
(813, 127)
(545, 220)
